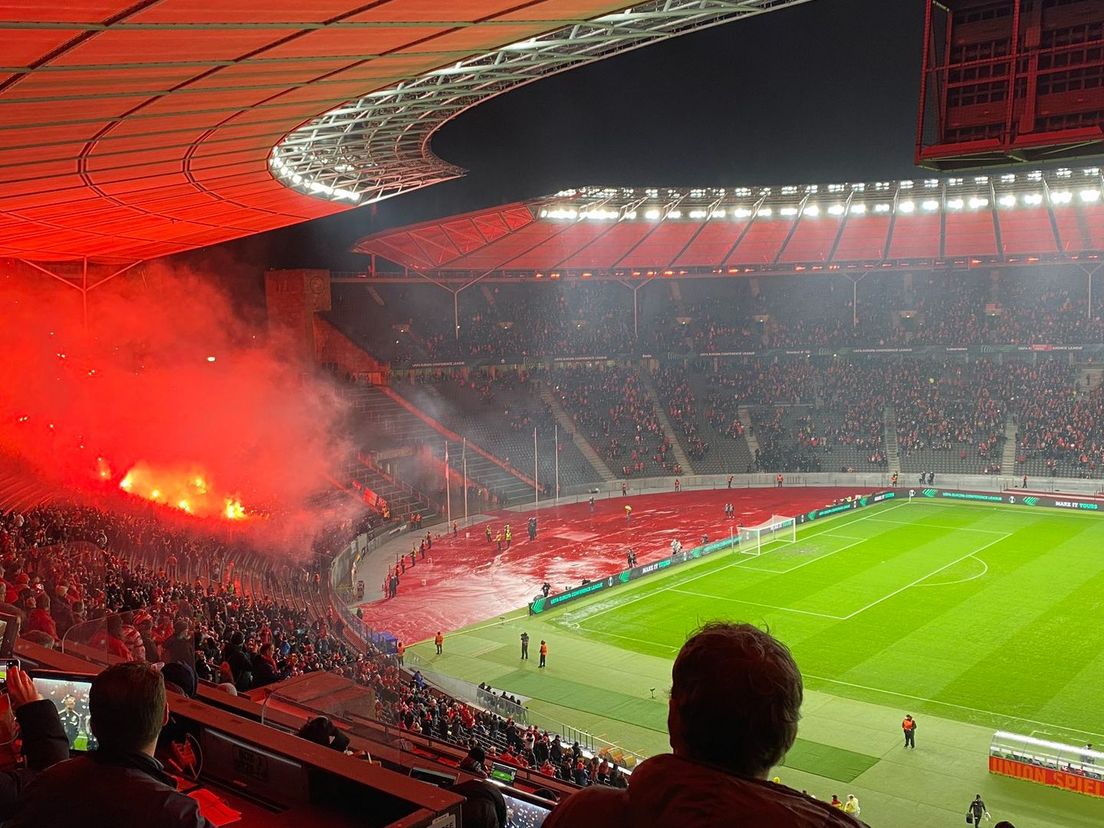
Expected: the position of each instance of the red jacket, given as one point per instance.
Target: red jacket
(39, 619)
(670, 792)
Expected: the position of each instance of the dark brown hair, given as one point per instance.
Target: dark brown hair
(127, 703)
(738, 692)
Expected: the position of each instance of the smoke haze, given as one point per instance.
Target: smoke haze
(170, 378)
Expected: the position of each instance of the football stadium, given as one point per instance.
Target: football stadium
(724, 447)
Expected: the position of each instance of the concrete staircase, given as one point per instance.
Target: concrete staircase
(393, 422)
(744, 414)
(893, 454)
(1008, 454)
(568, 427)
(665, 424)
(402, 499)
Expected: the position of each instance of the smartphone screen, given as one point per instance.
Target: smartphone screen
(70, 697)
(5, 664)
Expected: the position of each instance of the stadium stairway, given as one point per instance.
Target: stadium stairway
(400, 424)
(744, 412)
(1008, 452)
(510, 485)
(401, 499)
(665, 423)
(597, 463)
(893, 456)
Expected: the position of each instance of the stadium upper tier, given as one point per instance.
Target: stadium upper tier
(1005, 218)
(130, 130)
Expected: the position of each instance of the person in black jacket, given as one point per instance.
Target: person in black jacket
(44, 740)
(121, 784)
(241, 665)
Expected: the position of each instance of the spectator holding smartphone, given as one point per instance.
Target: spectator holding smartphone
(121, 784)
(44, 740)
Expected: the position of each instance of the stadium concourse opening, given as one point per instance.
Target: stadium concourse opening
(465, 579)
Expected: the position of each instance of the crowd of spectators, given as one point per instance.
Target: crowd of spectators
(614, 411)
(677, 396)
(596, 319)
(71, 571)
(136, 588)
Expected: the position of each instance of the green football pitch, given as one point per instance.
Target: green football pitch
(972, 618)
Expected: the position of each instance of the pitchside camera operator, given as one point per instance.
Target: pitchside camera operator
(43, 737)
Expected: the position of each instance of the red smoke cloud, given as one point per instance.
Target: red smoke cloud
(169, 381)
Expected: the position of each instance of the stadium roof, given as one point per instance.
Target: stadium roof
(1023, 217)
(137, 128)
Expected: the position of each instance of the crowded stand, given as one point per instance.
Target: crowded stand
(612, 408)
(128, 588)
(596, 319)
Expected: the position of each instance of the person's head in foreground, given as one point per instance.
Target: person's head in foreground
(735, 699)
(735, 703)
(127, 703)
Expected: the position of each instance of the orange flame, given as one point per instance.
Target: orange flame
(188, 490)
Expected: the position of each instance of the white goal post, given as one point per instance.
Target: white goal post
(778, 529)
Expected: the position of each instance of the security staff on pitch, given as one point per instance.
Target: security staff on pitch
(525, 646)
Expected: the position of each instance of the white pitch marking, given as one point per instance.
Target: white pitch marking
(899, 590)
(755, 604)
(652, 593)
(984, 571)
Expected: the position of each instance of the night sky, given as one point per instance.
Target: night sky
(822, 92)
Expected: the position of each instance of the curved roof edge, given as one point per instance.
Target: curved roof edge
(377, 146)
(1006, 218)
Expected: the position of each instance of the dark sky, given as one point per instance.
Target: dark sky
(825, 91)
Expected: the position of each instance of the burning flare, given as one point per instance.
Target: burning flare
(188, 490)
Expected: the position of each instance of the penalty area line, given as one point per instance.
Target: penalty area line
(899, 590)
(756, 604)
(830, 527)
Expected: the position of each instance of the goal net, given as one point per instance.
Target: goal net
(778, 529)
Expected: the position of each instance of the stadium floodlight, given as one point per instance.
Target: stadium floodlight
(1035, 175)
(1089, 196)
(955, 204)
(651, 215)
(881, 208)
(836, 210)
(674, 214)
(1033, 199)
(1092, 170)
(907, 184)
(1063, 172)
(858, 209)
(976, 203)
(741, 212)
(717, 214)
(931, 205)
(1061, 197)
(788, 211)
(562, 213)
(697, 214)
(1008, 178)
(778, 529)
(812, 210)
(765, 211)
(1007, 201)
(906, 206)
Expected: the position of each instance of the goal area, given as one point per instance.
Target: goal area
(778, 529)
